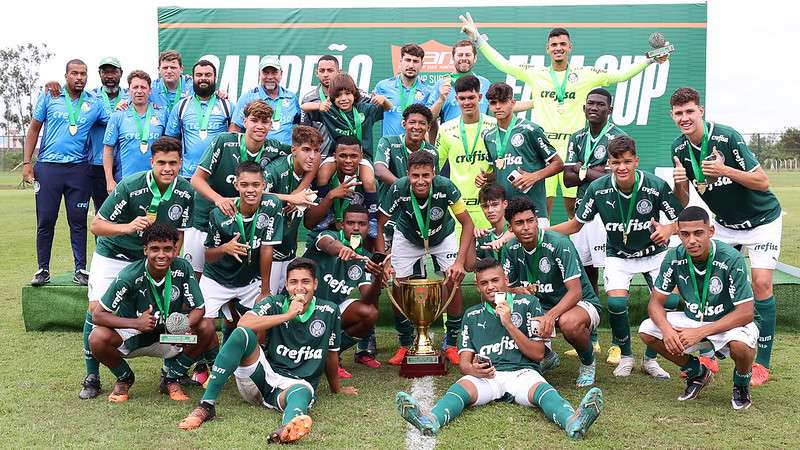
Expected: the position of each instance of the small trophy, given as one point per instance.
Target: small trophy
(177, 326)
(660, 46)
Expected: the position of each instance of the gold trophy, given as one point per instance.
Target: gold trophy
(422, 302)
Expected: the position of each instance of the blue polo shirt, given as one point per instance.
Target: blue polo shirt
(122, 133)
(281, 126)
(58, 146)
(184, 123)
(392, 88)
(450, 109)
(161, 99)
(96, 135)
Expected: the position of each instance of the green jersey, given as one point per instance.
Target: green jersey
(734, 205)
(220, 161)
(130, 199)
(336, 279)
(582, 142)
(298, 349)
(393, 154)
(341, 123)
(481, 253)
(554, 262)
(526, 149)
(398, 201)
(280, 181)
(653, 196)
(229, 272)
(483, 333)
(728, 285)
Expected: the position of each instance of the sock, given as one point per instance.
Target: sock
(673, 300)
(297, 400)
(227, 329)
(452, 326)
(741, 380)
(593, 336)
(620, 327)
(586, 356)
(347, 342)
(210, 355)
(242, 342)
(363, 345)
(650, 353)
(766, 329)
(692, 368)
(371, 203)
(405, 331)
(451, 405)
(92, 365)
(552, 404)
(178, 366)
(122, 370)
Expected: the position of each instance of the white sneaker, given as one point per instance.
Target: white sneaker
(650, 366)
(624, 367)
(585, 375)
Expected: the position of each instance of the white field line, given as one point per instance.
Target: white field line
(422, 390)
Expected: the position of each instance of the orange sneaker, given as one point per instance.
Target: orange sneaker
(367, 360)
(296, 429)
(172, 388)
(760, 375)
(711, 364)
(121, 388)
(398, 357)
(343, 373)
(452, 355)
(202, 413)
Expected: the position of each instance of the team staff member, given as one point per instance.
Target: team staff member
(327, 68)
(285, 108)
(62, 168)
(465, 55)
(729, 179)
(558, 92)
(172, 85)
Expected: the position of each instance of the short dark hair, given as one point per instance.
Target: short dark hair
(258, 109)
(621, 145)
(166, 144)
(420, 159)
(356, 209)
(601, 91)
(347, 140)
(684, 95)
(491, 191)
(485, 264)
(303, 264)
(344, 82)
(160, 232)
(170, 55)
(468, 83)
(140, 74)
(518, 205)
(500, 92)
(418, 108)
(693, 213)
(76, 62)
(249, 167)
(328, 58)
(558, 31)
(464, 43)
(205, 63)
(413, 50)
(304, 134)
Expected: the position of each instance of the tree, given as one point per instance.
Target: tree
(19, 73)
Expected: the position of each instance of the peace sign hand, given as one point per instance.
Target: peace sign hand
(468, 27)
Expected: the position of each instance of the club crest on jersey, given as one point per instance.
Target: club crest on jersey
(154, 120)
(715, 285)
(354, 272)
(174, 212)
(544, 265)
(176, 293)
(316, 328)
(517, 140)
(419, 95)
(287, 102)
(644, 206)
(516, 319)
(600, 152)
(86, 107)
(261, 221)
(436, 213)
(356, 198)
(573, 77)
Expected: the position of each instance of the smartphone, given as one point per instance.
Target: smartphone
(535, 330)
(513, 176)
(378, 257)
(651, 227)
(483, 359)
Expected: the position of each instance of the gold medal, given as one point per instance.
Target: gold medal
(355, 241)
(203, 134)
(701, 187)
(533, 287)
(500, 163)
(151, 216)
(582, 172)
(143, 147)
(561, 108)
(625, 238)
(73, 129)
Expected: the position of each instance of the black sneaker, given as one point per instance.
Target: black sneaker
(372, 348)
(81, 277)
(697, 384)
(741, 398)
(40, 278)
(91, 387)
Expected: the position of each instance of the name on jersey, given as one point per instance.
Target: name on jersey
(544, 288)
(513, 160)
(338, 286)
(304, 353)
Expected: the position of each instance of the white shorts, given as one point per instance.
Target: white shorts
(747, 334)
(345, 304)
(518, 383)
(250, 392)
(156, 349)
(763, 242)
(594, 314)
(590, 242)
(277, 276)
(620, 271)
(405, 254)
(217, 296)
(194, 248)
(102, 273)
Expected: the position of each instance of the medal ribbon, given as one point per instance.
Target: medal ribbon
(144, 128)
(355, 126)
(243, 156)
(175, 97)
(561, 90)
(698, 172)
(502, 143)
(589, 144)
(73, 114)
(246, 238)
(456, 75)
(162, 300)
(424, 226)
(202, 118)
(462, 129)
(277, 106)
(339, 205)
(533, 275)
(322, 96)
(302, 318)
(157, 197)
(406, 98)
(702, 299)
(626, 220)
(107, 100)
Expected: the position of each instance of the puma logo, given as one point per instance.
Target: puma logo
(610, 203)
(685, 279)
(482, 325)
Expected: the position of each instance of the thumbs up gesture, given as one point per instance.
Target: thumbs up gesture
(481, 179)
(679, 172)
(147, 321)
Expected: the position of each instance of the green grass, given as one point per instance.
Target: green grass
(40, 374)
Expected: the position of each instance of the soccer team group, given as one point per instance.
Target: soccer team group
(173, 167)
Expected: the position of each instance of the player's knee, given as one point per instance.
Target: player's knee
(762, 286)
(739, 350)
(100, 337)
(369, 315)
(648, 339)
(617, 304)
(206, 327)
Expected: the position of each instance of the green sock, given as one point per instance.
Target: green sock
(741, 380)
(405, 331)
(673, 300)
(620, 327)
(178, 366)
(211, 354)
(453, 327)
(586, 356)
(242, 342)
(593, 336)
(227, 329)
(347, 342)
(650, 353)
(693, 368)
(766, 329)
(122, 370)
(552, 404)
(92, 365)
(297, 400)
(451, 405)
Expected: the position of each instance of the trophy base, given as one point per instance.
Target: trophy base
(178, 339)
(417, 366)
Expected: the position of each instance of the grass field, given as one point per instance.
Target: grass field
(40, 375)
